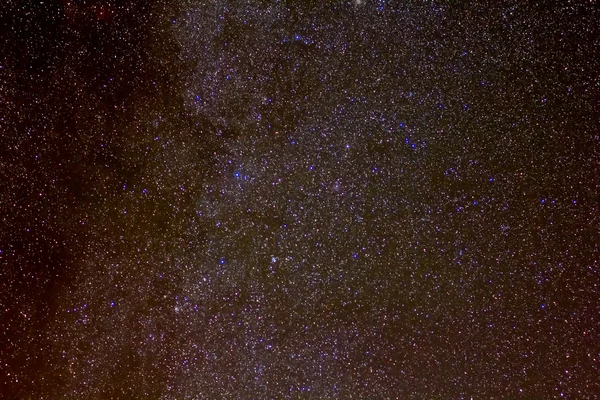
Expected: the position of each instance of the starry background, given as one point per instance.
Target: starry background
(225, 199)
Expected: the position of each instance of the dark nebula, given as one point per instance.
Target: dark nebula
(230, 199)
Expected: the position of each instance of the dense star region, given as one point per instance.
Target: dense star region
(226, 199)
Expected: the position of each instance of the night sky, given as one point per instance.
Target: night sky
(365, 199)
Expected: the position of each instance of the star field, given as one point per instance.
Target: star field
(307, 200)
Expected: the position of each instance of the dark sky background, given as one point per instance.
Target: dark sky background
(272, 199)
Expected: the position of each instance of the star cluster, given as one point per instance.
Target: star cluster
(351, 199)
